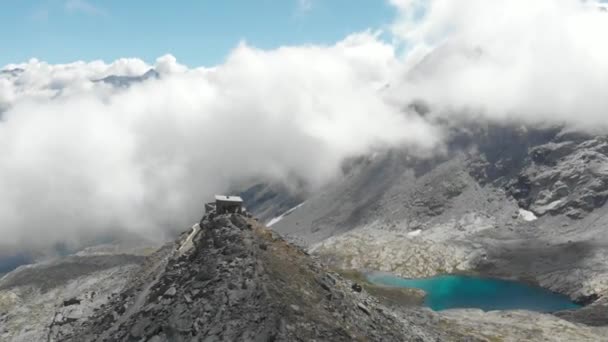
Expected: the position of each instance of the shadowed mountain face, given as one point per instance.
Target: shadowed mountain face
(267, 200)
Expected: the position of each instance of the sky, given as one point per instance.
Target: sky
(196, 32)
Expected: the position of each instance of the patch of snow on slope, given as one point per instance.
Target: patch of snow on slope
(527, 215)
(415, 233)
(279, 218)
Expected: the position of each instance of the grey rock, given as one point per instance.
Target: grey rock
(172, 291)
(363, 308)
(137, 330)
(71, 301)
(157, 338)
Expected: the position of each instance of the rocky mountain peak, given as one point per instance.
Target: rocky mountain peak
(232, 279)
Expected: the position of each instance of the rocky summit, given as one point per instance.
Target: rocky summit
(231, 279)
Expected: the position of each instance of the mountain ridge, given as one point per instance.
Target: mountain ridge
(239, 281)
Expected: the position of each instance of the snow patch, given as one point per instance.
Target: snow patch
(274, 221)
(527, 215)
(279, 218)
(416, 232)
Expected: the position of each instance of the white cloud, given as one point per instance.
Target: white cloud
(536, 61)
(168, 64)
(79, 158)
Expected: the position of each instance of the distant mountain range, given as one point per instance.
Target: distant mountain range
(12, 72)
(126, 81)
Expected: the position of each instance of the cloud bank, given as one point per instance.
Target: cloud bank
(532, 61)
(80, 159)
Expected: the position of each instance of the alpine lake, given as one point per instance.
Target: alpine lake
(458, 291)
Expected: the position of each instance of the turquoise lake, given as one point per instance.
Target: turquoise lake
(454, 291)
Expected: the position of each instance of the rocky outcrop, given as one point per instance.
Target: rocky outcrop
(565, 177)
(239, 281)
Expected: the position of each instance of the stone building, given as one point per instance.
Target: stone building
(228, 204)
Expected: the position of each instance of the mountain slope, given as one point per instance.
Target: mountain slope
(232, 279)
(238, 281)
(508, 202)
(38, 300)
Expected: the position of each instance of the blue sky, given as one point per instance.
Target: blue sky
(197, 32)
